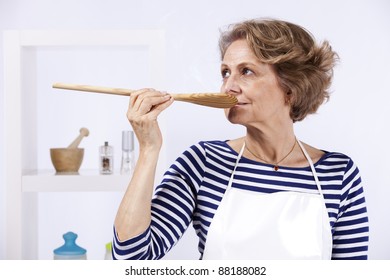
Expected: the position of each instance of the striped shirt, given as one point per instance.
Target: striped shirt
(194, 185)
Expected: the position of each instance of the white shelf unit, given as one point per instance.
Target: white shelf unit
(24, 182)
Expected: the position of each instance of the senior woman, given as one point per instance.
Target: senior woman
(265, 195)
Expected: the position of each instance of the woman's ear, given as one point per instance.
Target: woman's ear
(288, 98)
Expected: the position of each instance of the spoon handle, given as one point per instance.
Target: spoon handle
(108, 90)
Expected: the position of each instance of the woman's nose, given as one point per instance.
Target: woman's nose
(231, 86)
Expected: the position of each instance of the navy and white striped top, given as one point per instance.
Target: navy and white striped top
(192, 189)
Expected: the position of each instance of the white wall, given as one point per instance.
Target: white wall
(355, 121)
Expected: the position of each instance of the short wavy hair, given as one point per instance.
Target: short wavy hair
(304, 68)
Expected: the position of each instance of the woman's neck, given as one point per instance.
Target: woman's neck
(270, 143)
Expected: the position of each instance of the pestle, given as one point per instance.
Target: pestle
(83, 132)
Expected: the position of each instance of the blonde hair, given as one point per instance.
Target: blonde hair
(304, 68)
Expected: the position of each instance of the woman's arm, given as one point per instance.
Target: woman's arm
(134, 213)
(172, 209)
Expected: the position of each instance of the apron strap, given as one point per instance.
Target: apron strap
(235, 166)
(313, 170)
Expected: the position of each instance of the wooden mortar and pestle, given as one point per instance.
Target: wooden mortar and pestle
(68, 160)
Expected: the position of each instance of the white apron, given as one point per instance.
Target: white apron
(279, 226)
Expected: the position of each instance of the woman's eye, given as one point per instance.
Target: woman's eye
(246, 71)
(225, 73)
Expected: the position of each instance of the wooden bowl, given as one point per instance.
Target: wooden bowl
(67, 160)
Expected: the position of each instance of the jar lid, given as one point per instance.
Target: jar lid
(70, 247)
(109, 246)
(127, 140)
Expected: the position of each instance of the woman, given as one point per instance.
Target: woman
(265, 195)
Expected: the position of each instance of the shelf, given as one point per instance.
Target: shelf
(30, 55)
(85, 181)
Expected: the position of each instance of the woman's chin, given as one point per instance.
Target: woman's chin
(233, 116)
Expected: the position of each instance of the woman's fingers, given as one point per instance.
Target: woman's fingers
(167, 100)
(145, 101)
(138, 97)
(150, 104)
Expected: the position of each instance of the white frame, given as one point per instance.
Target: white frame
(22, 185)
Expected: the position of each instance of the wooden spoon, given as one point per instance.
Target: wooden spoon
(216, 100)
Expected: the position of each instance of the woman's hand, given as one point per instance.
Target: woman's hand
(144, 107)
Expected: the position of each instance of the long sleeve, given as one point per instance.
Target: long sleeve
(172, 209)
(350, 237)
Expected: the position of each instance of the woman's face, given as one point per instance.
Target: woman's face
(255, 84)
